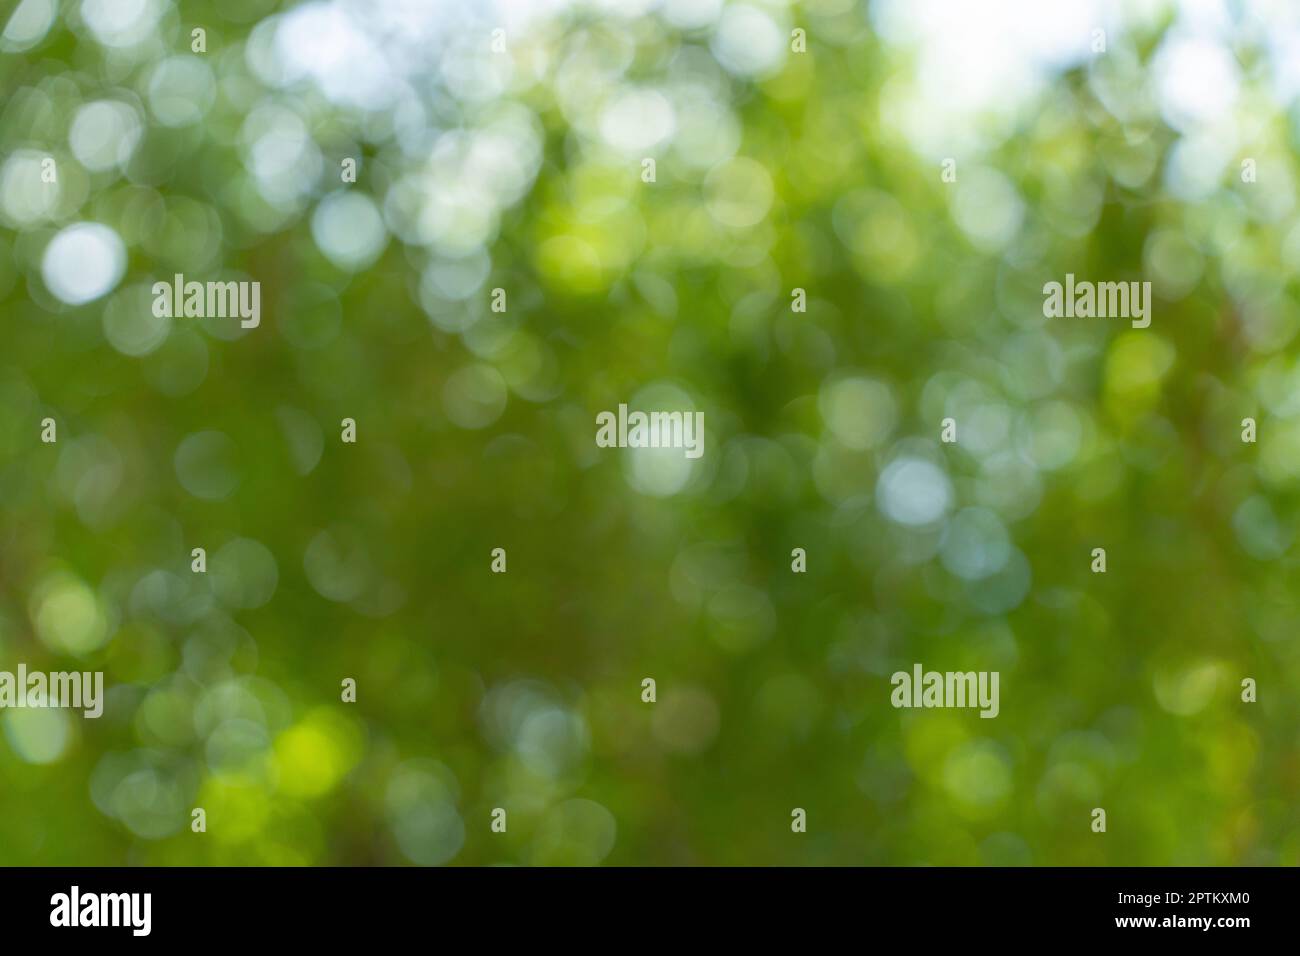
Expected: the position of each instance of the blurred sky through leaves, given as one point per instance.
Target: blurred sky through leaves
(521, 169)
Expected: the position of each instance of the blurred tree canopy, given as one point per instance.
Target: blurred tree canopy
(651, 184)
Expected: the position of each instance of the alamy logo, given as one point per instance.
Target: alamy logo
(103, 909)
(56, 689)
(946, 689)
(653, 430)
(210, 300)
(1103, 300)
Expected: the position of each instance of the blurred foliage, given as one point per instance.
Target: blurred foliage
(522, 169)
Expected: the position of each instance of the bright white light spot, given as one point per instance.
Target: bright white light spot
(325, 42)
(83, 262)
(978, 64)
(1197, 81)
(28, 25)
(912, 491)
(281, 153)
(638, 120)
(121, 23)
(104, 134)
(349, 230)
(748, 42)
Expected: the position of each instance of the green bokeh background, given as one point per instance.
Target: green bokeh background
(521, 170)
